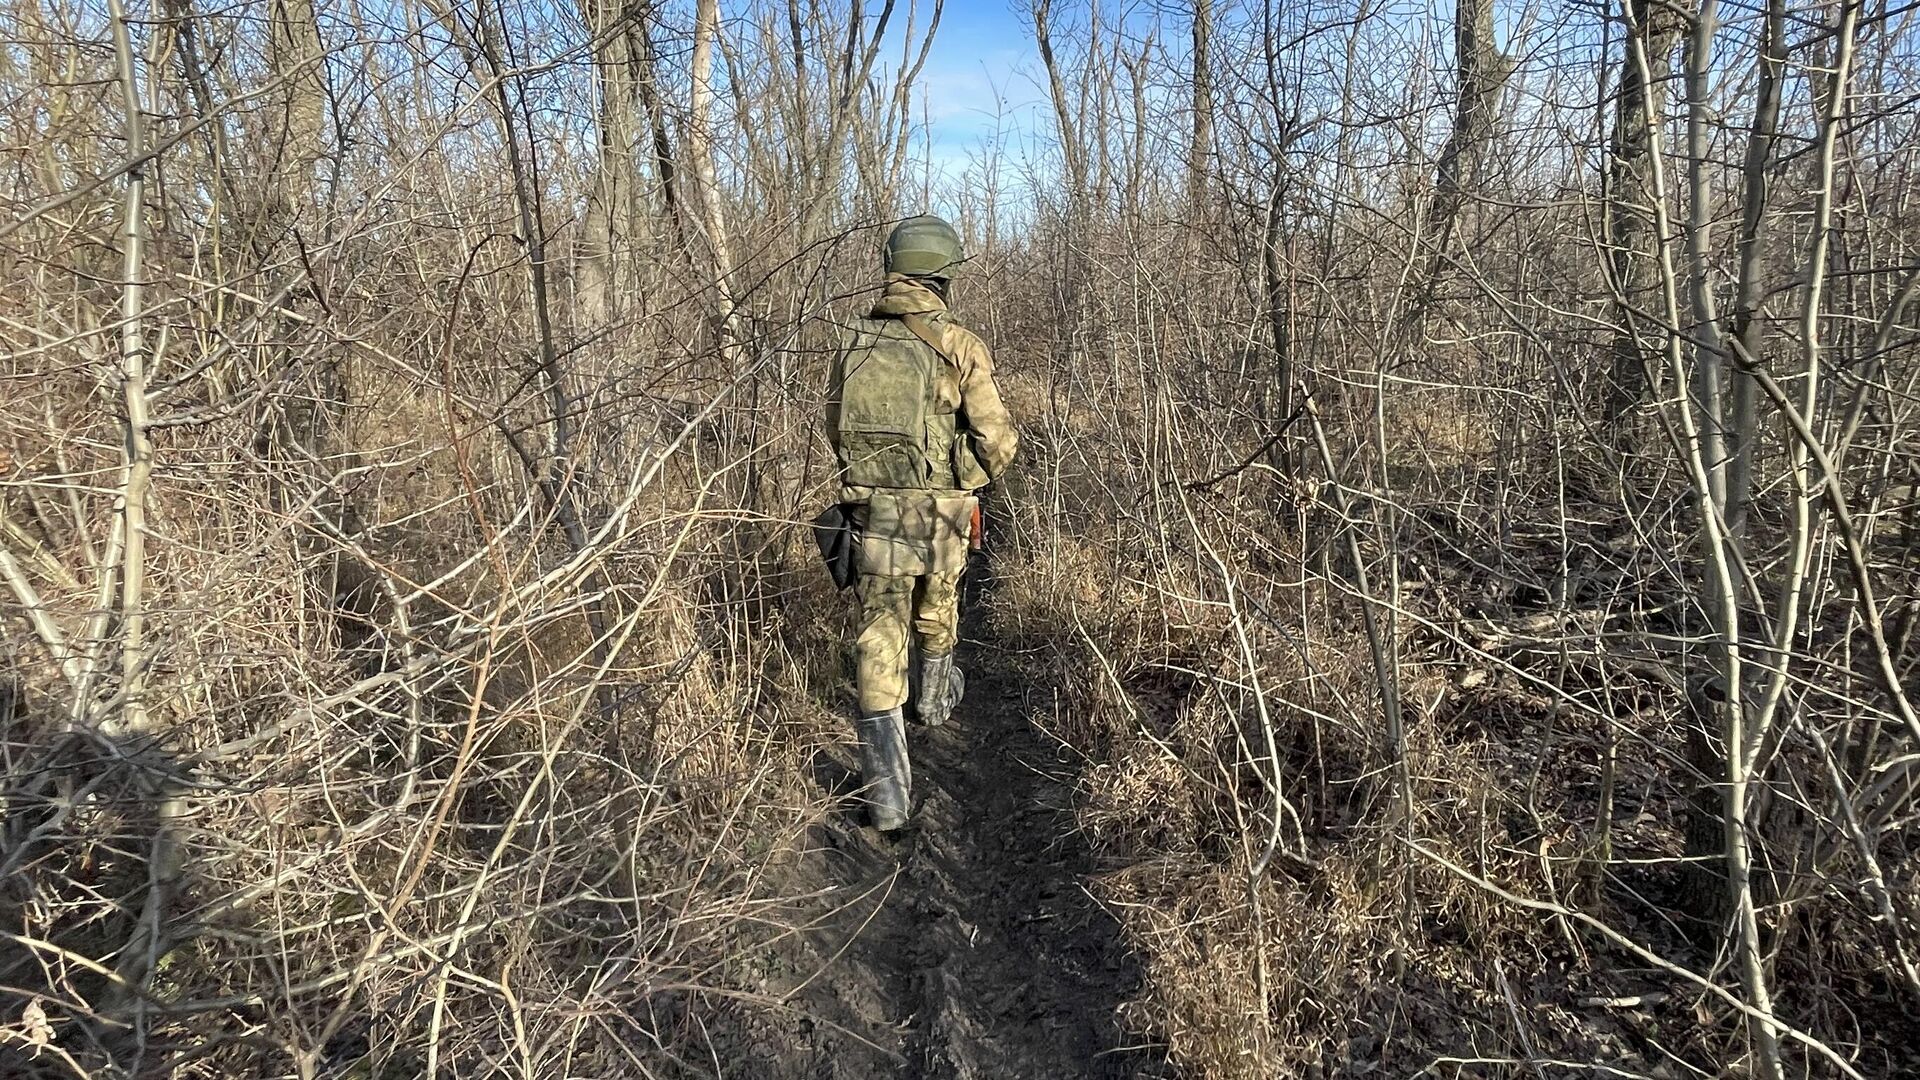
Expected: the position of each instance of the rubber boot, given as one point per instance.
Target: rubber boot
(885, 769)
(941, 686)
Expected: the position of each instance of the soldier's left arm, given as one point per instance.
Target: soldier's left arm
(994, 439)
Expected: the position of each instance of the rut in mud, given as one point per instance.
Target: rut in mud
(968, 946)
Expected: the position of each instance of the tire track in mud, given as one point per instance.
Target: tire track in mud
(968, 946)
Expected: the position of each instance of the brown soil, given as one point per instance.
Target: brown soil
(967, 946)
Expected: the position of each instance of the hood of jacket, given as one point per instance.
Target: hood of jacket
(904, 296)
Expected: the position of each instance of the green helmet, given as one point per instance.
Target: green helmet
(923, 246)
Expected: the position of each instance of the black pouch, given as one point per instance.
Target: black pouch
(833, 532)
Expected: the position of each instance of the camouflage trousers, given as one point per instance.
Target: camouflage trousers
(895, 612)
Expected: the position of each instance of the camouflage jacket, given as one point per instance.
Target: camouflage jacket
(963, 385)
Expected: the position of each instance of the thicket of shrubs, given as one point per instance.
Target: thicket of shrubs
(467, 696)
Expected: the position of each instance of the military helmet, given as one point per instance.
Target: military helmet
(923, 246)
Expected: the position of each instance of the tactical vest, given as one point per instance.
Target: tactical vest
(892, 431)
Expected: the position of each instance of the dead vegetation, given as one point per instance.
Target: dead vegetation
(1463, 562)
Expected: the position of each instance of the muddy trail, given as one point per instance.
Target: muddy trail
(966, 946)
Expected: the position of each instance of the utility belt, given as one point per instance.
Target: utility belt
(899, 533)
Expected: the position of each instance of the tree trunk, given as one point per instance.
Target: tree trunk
(1200, 151)
(1277, 395)
(713, 218)
(1070, 144)
(312, 414)
(665, 162)
(1748, 332)
(1654, 30)
(608, 232)
(294, 52)
(1479, 73)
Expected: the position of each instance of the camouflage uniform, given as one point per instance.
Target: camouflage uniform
(914, 540)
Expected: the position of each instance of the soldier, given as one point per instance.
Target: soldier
(918, 427)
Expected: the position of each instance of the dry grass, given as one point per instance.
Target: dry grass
(464, 720)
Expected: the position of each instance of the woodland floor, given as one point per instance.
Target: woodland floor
(967, 946)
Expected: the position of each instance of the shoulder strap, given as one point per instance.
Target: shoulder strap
(924, 331)
(918, 324)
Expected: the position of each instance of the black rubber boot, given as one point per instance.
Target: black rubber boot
(885, 769)
(942, 684)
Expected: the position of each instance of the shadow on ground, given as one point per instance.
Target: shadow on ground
(967, 947)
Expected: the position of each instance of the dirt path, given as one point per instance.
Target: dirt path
(967, 947)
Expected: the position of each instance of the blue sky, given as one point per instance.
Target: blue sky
(982, 76)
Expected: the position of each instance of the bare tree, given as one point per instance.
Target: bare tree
(1653, 31)
(412, 665)
(614, 215)
(1201, 148)
(1480, 71)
